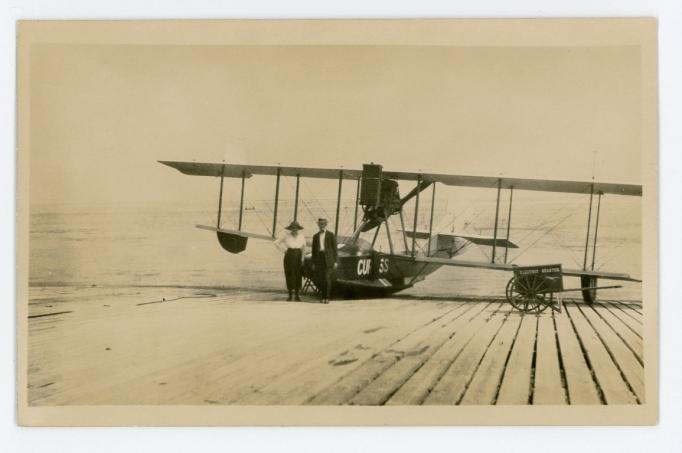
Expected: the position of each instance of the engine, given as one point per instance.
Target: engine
(379, 196)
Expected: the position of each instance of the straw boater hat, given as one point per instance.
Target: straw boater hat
(294, 226)
(321, 220)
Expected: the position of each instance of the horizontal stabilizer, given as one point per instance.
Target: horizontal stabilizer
(486, 240)
(473, 238)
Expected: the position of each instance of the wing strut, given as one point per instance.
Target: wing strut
(241, 201)
(589, 222)
(511, 198)
(433, 202)
(220, 196)
(497, 215)
(416, 213)
(402, 226)
(357, 203)
(298, 182)
(596, 230)
(388, 234)
(274, 217)
(338, 204)
(376, 233)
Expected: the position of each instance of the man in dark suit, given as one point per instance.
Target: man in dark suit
(324, 258)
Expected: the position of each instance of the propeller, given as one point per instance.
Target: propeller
(413, 192)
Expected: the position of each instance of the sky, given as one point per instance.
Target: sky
(101, 116)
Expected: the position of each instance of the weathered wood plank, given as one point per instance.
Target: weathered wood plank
(225, 358)
(625, 320)
(453, 384)
(631, 317)
(320, 346)
(297, 388)
(633, 342)
(485, 383)
(611, 383)
(516, 381)
(624, 359)
(629, 305)
(548, 388)
(197, 348)
(382, 388)
(135, 361)
(580, 383)
(416, 389)
(343, 391)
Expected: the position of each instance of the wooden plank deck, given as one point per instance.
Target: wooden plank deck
(203, 346)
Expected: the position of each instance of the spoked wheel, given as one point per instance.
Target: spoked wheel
(526, 294)
(589, 295)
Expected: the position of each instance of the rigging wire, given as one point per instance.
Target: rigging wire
(269, 208)
(302, 199)
(466, 227)
(546, 221)
(568, 249)
(532, 231)
(325, 185)
(542, 236)
(616, 252)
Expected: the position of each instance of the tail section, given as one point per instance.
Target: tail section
(451, 243)
(484, 240)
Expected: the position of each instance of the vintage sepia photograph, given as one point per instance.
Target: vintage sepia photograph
(314, 222)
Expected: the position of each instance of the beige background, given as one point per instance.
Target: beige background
(634, 41)
(103, 113)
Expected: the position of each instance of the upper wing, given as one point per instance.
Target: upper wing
(237, 171)
(545, 185)
(510, 267)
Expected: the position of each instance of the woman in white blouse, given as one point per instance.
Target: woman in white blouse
(292, 244)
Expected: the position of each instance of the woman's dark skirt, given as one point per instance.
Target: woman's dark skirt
(292, 269)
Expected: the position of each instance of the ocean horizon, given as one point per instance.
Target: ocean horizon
(157, 244)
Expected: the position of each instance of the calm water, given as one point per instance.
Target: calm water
(155, 244)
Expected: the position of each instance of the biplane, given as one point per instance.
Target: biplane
(364, 271)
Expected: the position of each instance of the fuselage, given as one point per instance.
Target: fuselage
(364, 272)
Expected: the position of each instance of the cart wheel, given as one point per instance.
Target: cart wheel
(525, 294)
(589, 295)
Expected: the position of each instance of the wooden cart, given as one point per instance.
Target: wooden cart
(532, 288)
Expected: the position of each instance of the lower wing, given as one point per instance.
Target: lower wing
(511, 267)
